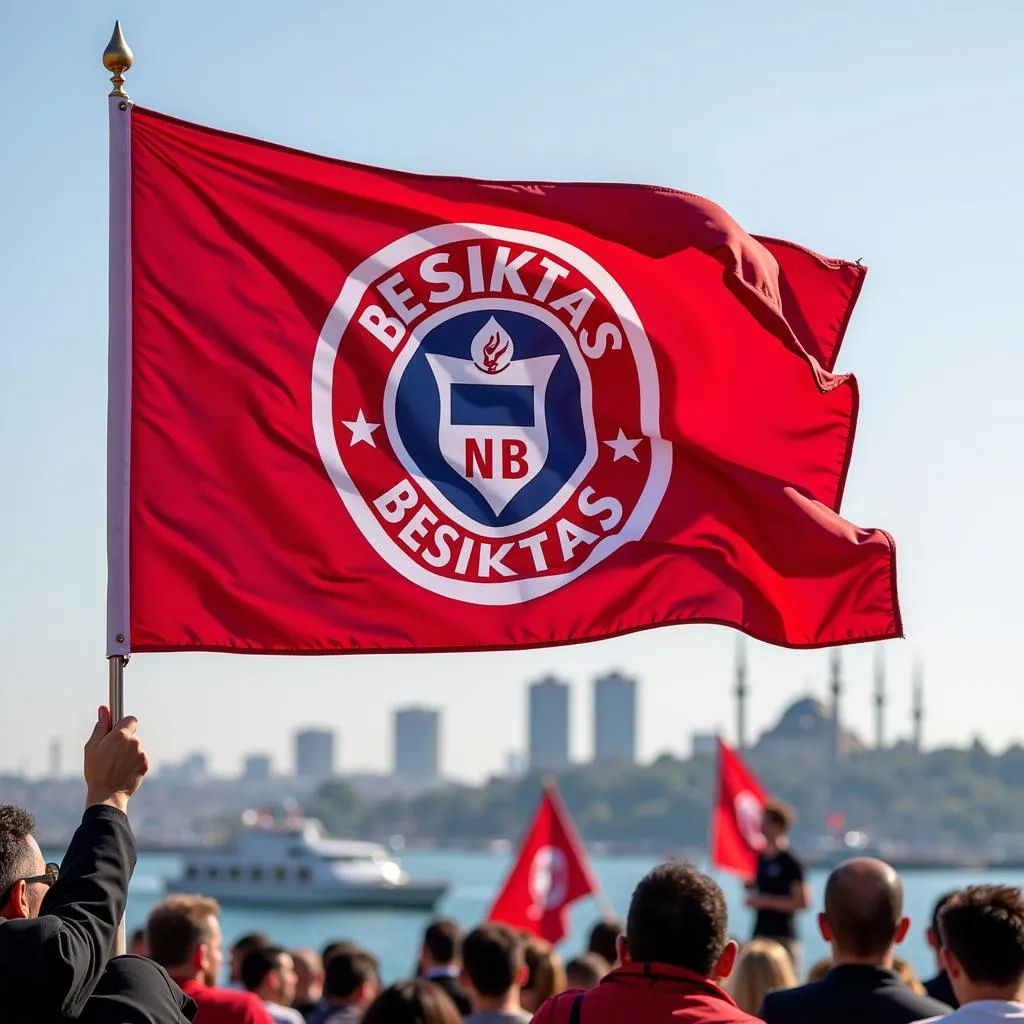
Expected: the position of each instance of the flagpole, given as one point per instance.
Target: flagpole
(604, 905)
(117, 59)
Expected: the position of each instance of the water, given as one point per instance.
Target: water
(394, 936)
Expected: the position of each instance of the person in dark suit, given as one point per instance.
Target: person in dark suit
(59, 923)
(939, 987)
(441, 961)
(863, 921)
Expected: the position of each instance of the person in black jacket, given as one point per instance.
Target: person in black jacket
(863, 921)
(939, 987)
(57, 926)
(441, 961)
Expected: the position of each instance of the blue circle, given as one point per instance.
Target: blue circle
(418, 411)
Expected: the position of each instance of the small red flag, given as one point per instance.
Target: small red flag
(363, 410)
(550, 873)
(736, 837)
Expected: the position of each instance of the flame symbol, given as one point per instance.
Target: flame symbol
(493, 351)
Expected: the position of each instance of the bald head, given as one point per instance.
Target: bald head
(864, 908)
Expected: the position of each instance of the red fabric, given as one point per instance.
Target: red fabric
(648, 994)
(550, 873)
(736, 820)
(225, 1005)
(242, 538)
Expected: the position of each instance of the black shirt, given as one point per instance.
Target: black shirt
(776, 874)
(940, 988)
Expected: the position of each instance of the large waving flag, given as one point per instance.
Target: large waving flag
(362, 410)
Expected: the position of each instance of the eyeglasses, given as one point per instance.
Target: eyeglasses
(48, 878)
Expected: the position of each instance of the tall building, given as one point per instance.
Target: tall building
(256, 768)
(917, 711)
(56, 759)
(549, 724)
(314, 754)
(417, 744)
(615, 718)
(836, 690)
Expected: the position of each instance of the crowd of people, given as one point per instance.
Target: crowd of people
(671, 960)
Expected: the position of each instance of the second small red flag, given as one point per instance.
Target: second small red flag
(550, 873)
(736, 837)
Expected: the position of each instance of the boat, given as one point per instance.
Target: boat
(294, 863)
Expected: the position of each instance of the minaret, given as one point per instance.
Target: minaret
(836, 687)
(741, 693)
(879, 697)
(917, 714)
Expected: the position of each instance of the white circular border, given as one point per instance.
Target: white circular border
(505, 592)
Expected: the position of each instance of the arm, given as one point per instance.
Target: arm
(57, 959)
(798, 899)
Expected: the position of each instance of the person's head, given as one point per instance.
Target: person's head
(776, 820)
(183, 936)
(907, 975)
(863, 917)
(352, 978)
(442, 945)
(819, 969)
(413, 1002)
(309, 975)
(982, 930)
(545, 974)
(269, 971)
(932, 931)
(137, 943)
(24, 875)
(763, 966)
(678, 917)
(493, 965)
(585, 971)
(336, 946)
(241, 948)
(604, 939)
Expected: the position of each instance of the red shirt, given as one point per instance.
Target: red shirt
(225, 1005)
(648, 994)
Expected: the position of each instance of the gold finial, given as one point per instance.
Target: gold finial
(117, 59)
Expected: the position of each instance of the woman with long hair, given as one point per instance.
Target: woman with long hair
(546, 976)
(764, 966)
(412, 1002)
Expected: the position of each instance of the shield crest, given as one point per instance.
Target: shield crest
(492, 428)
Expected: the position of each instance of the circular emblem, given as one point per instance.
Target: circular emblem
(486, 402)
(749, 812)
(549, 880)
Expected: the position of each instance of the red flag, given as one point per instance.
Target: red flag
(371, 410)
(550, 873)
(736, 837)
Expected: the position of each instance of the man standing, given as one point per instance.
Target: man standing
(676, 942)
(779, 892)
(493, 972)
(269, 972)
(57, 925)
(939, 986)
(183, 935)
(441, 961)
(863, 921)
(982, 932)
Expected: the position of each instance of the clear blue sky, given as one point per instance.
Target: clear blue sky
(887, 131)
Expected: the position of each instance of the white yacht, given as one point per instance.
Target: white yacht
(294, 863)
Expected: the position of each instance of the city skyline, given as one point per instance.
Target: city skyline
(918, 176)
(418, 729)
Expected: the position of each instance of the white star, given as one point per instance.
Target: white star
(361, 430)
(623, 447)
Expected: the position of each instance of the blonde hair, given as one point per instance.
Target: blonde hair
(819, 969)
(763, 966)
(907, 975)
(546, 974)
